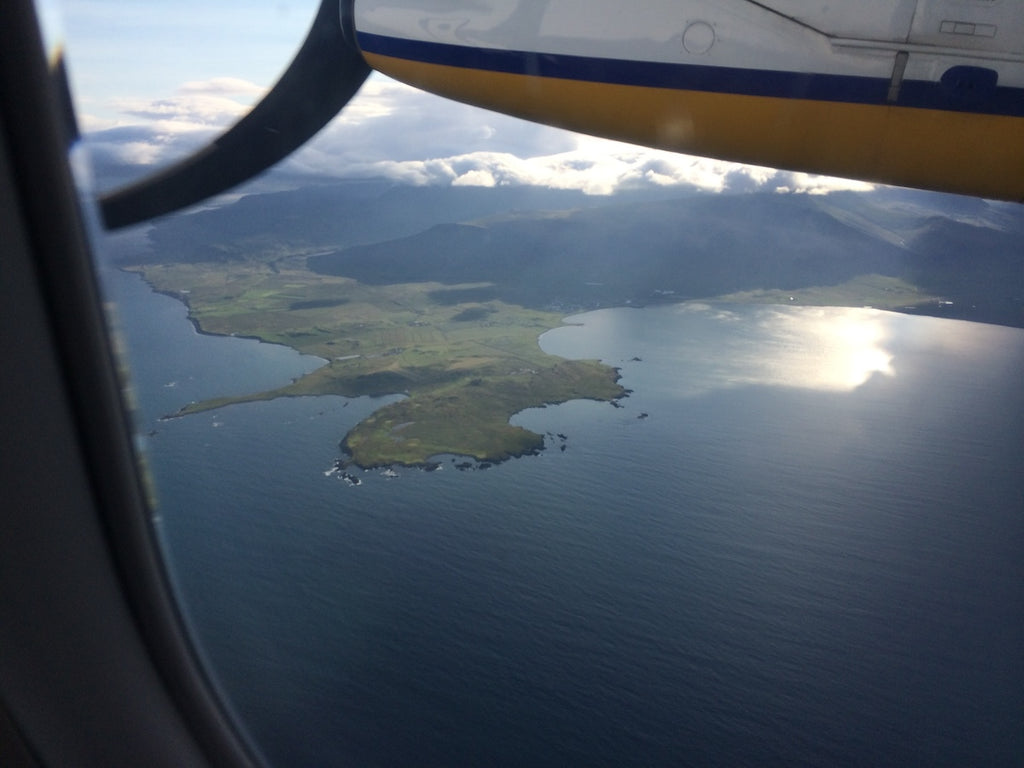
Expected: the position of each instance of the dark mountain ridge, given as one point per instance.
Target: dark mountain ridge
(632, 252)
(343, 214)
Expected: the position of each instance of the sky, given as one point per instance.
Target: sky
(154, 81)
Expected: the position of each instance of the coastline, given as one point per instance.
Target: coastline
(461, 390)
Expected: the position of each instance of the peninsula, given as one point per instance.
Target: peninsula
(464, 366)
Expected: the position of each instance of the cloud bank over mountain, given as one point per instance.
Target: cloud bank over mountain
(394, 131)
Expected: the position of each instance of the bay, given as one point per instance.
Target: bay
(797, 542)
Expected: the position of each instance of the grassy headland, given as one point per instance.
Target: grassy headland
(466, 367)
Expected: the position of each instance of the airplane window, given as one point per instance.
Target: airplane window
(478, 442)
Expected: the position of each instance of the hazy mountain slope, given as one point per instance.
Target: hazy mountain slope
(980, 268)
(340, 215)
(693, 247)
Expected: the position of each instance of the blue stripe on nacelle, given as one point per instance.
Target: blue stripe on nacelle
(962, 89)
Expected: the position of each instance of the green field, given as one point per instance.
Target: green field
(878, 291)
(466, 368)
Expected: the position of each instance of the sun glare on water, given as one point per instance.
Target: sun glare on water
(839, 349)
(835, 349)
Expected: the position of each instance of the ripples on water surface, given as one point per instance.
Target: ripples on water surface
(809, 552)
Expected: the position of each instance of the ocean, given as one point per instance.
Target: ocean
(800, 541)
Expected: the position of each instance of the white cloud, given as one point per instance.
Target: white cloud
(596, 170)
(379, 97)
(398, 132)
(226, 86)
(475, 178)
(807, 183)
(155, 132)
(195, 106)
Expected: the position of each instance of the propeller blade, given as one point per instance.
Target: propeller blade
(324, 75)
